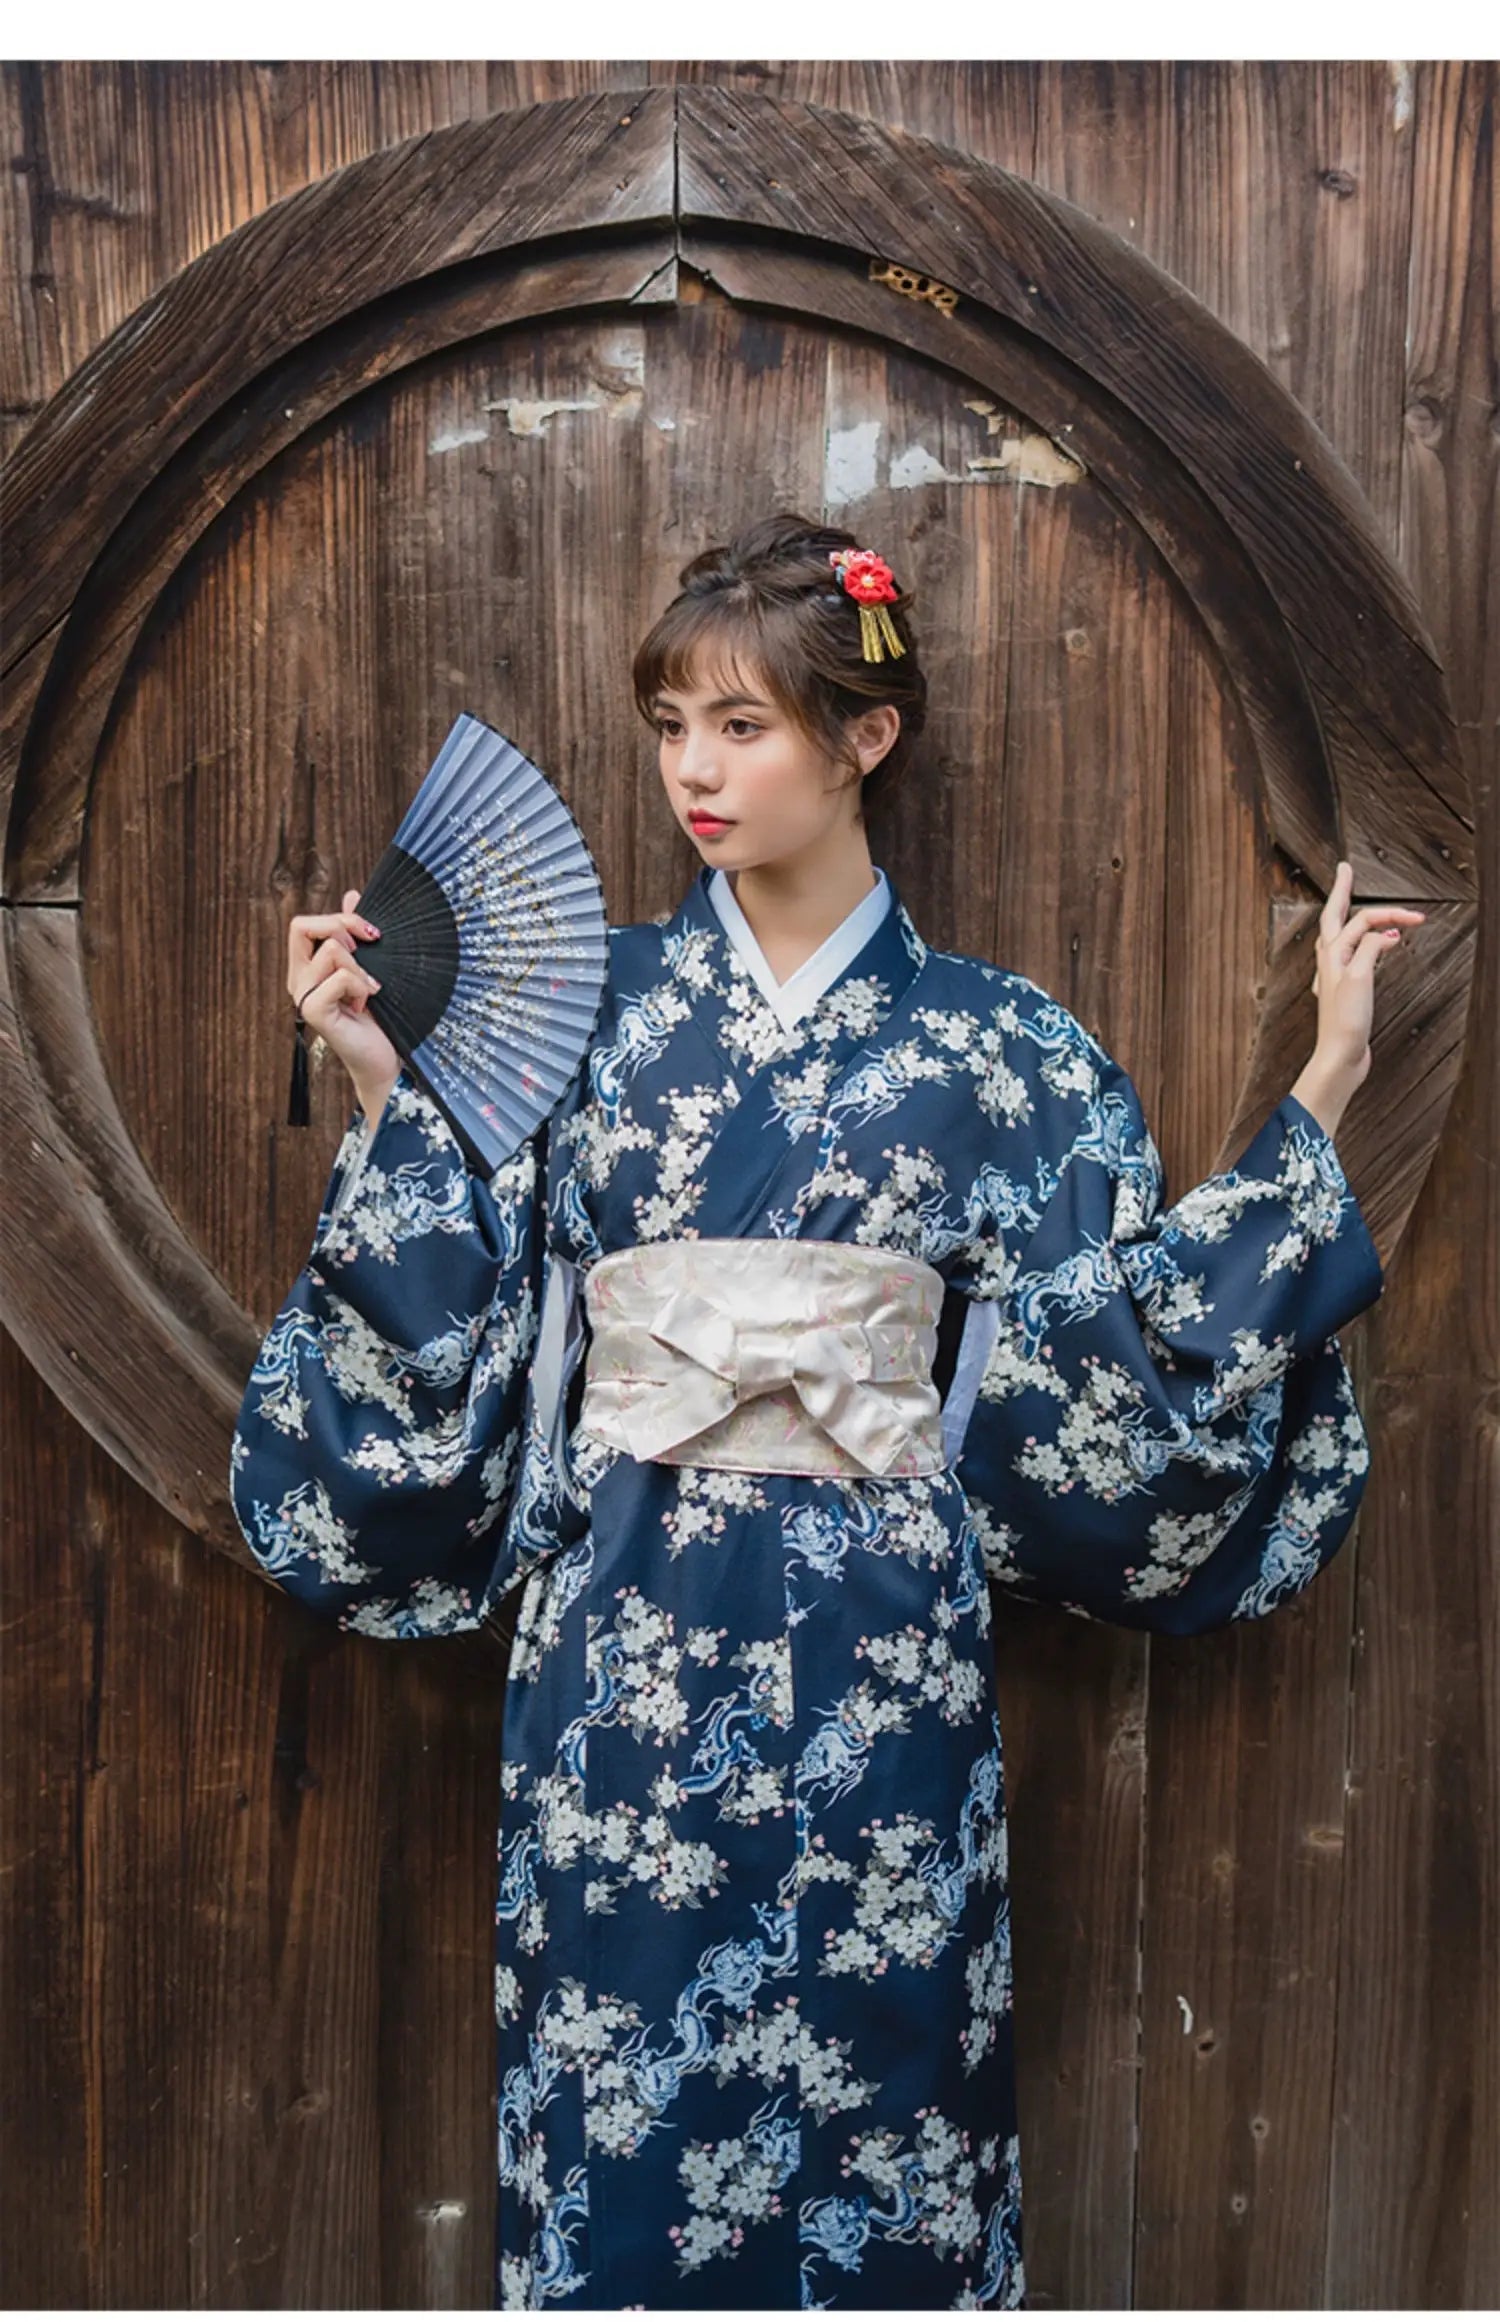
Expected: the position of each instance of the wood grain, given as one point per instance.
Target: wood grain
(1415, 2130)
(1243, 1807)
(55, 759)
(148, 1333)
(354, 236)
(249, 1865)
(275, 1918)
(1088, 790)
(50, 1577)
(1047, 266)
(56, 744)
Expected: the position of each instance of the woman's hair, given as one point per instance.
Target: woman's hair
(771, 596)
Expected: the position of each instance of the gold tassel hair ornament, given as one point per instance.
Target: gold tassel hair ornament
(868, 579)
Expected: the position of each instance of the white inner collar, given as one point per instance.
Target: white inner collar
(807, 984)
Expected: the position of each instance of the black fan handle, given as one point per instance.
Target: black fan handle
(299, 1100)
(297, 1108)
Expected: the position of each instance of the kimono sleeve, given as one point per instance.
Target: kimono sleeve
(380, 1434)
(1165, 1434)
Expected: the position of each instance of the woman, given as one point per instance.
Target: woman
(837, 1284)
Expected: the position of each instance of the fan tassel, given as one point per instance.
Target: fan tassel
(297, 1102)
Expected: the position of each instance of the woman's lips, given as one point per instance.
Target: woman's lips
(707, 825)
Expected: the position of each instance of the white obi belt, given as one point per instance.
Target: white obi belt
(766, 1356)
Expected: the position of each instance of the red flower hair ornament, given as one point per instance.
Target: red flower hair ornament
(868, 579)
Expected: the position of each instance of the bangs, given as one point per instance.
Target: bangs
(713, 642)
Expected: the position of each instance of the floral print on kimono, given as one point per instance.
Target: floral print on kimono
(753, 1977)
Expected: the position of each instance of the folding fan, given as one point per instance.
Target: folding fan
(493, 943)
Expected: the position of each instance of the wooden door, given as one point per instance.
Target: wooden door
(437, 434)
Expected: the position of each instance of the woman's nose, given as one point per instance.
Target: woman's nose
(699, 765)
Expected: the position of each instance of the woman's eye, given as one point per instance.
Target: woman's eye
(668, 728)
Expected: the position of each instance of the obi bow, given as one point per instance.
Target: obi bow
(697, 1368)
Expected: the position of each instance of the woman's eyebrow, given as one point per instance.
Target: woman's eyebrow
(720, 701)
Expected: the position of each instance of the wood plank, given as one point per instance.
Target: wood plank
(49, 1572)
(986, 105)
(125, 177)
(299, 268)
(1072, 1716)
(1245, 1823)
(1416, 2117)
(1415, 2123)
(1396, 826)
(57, 744)
(1248, 1726)
(178, 2024)
(145, 1339)
(1315, 283)
(1246, 1733)
(1084, 796)
(1240, 1903)
(128, 172)
(1051, 269)
(438, 1784)
(239, 1954)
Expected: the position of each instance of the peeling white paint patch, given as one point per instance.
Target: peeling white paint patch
(916, 465)
(530, 418)
(627, 355)
(665, 423)
(1400, 94)
(992, 415)
(1187, 2014)
(849, 462)
(457, 437)
(1026, 459)
(1034, 459)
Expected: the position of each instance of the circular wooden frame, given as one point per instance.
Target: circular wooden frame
(595, 202)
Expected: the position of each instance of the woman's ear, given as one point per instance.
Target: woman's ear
(874, 733)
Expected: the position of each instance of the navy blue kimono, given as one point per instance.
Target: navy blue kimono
(753, 1964)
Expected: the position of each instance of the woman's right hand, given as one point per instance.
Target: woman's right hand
(331, 988)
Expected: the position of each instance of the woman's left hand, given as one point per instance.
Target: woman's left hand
(1344, 979)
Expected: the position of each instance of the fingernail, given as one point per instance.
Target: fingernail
(369, 930)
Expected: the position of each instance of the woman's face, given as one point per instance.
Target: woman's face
(747, 785)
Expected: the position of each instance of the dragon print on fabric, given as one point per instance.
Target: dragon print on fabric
(753, 1982)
